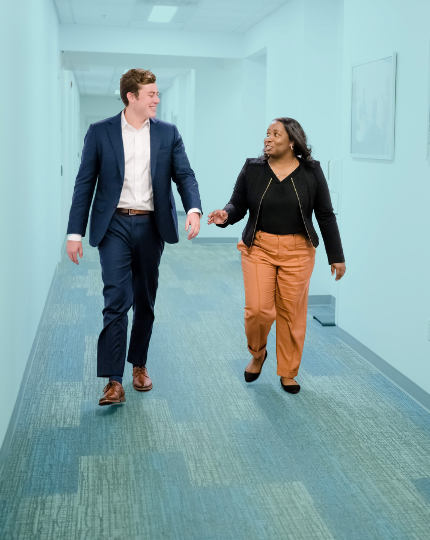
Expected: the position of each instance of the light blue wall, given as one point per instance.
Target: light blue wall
(30, 182)
(218, 150)
(385, 299)
(254, 104)
(177, 106)
(95, 108)
(71, 146)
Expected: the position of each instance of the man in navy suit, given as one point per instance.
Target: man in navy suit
(129, 161)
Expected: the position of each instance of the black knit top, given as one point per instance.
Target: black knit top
(280, 210)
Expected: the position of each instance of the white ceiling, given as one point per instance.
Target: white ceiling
(207, 15)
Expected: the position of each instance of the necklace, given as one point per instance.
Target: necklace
(288, 172)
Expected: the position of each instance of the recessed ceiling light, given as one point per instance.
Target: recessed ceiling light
(162, 14)
(117, 92)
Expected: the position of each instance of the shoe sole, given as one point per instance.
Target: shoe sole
(142, 388)
(103, 403)
(291, 388)
(289, 391)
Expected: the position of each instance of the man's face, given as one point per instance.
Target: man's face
(146, 104)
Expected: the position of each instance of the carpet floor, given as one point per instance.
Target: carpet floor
(204, 456)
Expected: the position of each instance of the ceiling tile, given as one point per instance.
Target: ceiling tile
(108, 21)
(81, 10)
(237, 15)
(169, 2)
(159, 26)
(224, 14)
(211, 25)
(185, 13)
(140, 13)
(118, 3)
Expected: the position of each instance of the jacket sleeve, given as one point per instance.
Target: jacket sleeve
(183, 175)
(238, 204)
(326, 219)
(84, 185)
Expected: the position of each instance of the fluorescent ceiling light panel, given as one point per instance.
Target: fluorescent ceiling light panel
(162, 14)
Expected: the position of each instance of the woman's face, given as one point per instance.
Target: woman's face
(277, 143)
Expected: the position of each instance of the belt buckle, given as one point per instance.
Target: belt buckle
(129, 212)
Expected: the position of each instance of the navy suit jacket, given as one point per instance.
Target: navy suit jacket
(102, 169)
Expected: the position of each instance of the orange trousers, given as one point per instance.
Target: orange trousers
(276, 273)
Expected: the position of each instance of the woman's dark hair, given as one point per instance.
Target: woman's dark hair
(298, 137)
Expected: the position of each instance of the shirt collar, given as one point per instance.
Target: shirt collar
(124, 122)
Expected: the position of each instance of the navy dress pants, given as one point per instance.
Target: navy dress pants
(130, 255)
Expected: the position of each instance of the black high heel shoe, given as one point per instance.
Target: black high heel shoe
(290, 388)
(251, 377)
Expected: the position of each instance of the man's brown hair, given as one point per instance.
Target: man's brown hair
(132, 80)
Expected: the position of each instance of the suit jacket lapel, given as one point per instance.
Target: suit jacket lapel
(115, 136)
(155, 137)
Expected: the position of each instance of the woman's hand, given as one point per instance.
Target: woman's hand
(217, 216)
(339, 268)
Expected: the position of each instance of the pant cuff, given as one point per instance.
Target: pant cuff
(258, 354)
(287, 374)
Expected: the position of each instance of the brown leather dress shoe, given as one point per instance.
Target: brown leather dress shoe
(113, 393)
(141, 380)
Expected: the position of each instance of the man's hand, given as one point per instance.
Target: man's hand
(340, 269)
(193, 219)
(217, 216)
(73, 248)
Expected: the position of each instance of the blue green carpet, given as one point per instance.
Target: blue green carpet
(204, 455)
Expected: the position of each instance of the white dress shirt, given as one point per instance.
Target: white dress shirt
(137, 188)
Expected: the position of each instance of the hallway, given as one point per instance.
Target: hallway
(203, 455)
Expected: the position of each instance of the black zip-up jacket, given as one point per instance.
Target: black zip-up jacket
(313, 195)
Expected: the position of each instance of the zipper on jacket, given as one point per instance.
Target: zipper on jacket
(304, 222)
(256, 221)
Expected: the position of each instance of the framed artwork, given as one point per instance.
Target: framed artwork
(373, 105)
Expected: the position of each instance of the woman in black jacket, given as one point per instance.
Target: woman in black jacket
(281, 190)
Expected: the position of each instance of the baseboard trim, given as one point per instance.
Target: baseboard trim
(321, 299)
(5, 447)
(391, 373)
(216, 240)
(323, 320)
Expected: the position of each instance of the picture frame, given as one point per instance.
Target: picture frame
(373, 106)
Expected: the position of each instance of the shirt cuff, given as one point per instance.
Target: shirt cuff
(74, 237)
(194, 210)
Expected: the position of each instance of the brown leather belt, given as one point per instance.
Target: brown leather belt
(131, 212)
